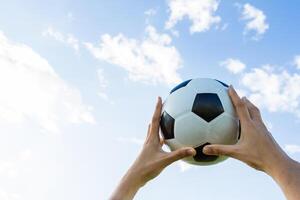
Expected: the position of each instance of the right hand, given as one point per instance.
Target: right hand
(256, 146)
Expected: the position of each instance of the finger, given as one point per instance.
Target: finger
(161, 141)
(240, 106)
(148, 131)
(154, 130)
(217, 149)
(253, 110)
(179, 154)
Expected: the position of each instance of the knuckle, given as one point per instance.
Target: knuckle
(256, 109)
(157, 108)
(240, 104)
(218, 151)
(227, 152)
(181, 154)
(155, 119)
(231, 151)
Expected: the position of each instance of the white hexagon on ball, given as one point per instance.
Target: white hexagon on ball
(196, 113)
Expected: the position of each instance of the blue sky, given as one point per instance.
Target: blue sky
(79, 82)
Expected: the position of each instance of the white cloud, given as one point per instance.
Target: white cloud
(25, 155)
(292, 148)
(67, 39)
(201, 13)
(235, 66)
(223, 27)
(103, 83)
(11, 168)
(256, 20)
(150, 12)
(277, 91)
(4, 195)
(31, 90)
(241, 92)
(297, 61)
(269, 125)
(151, 60)
(8, 169)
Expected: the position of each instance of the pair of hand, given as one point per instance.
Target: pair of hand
(256, 147)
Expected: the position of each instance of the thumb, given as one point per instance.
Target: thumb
(218, 149)
(179, 154)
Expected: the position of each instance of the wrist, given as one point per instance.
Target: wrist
(281, 167)
(134, 178)
(288, 179)
(128, 186)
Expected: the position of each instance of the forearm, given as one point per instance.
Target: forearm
(288, 178)
(127, 188)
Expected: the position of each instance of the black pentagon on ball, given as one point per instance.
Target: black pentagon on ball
(167, 125)
(240, 130)
(207, 106)
(201, 157)
(224, 84)
(183, 84)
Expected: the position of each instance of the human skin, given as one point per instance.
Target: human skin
(150, 162)
(267, 155)
(258, 148)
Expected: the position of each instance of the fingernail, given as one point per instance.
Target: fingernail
(206, 149)
(191, 151)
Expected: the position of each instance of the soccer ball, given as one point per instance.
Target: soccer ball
(199, 112)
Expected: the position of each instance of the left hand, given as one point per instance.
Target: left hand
(152, 159)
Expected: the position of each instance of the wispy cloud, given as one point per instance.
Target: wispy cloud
(200, 13)
(150, 12)
(11, 168)
(67, 39)
(235, 66)
(297, 61)
(103, 84)
(276, 90)
(36, 91)
(151, 60)
(5, 195)
(255, 20)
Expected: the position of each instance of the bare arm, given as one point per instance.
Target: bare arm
(151, 161)
(258, 149)
(288, 178)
